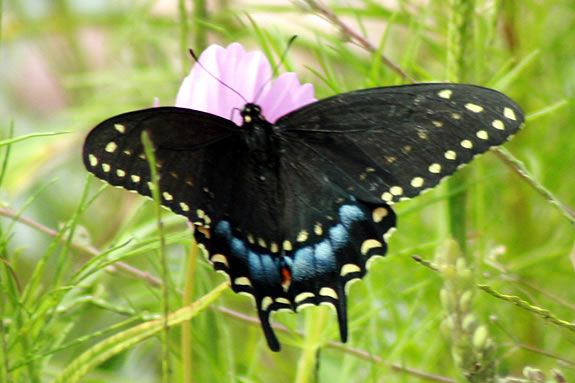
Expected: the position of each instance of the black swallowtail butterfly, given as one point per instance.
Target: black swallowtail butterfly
(292, 211)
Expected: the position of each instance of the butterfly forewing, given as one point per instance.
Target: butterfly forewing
(193, 150)
(388, 144)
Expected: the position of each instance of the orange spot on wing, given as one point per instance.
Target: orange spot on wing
(286, 277)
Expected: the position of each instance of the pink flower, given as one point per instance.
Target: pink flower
(247, 73)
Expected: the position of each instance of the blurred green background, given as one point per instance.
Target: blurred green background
(66, 65)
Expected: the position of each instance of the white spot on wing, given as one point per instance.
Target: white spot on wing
(467, 144)
(396, 190)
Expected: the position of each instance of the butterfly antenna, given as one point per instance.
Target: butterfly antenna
(276, 67)
(193, 54)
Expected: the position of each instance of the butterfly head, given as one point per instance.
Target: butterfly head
(252, 113)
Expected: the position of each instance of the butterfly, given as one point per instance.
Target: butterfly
(292, 211)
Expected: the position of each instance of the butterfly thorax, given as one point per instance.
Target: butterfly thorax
(259, 135)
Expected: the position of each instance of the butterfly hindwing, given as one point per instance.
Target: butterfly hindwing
(392, 143)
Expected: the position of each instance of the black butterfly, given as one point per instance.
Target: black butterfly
(292, 211)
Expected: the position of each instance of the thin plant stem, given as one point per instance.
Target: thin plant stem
(184, 32)
(519, 168)
(308, 361)
(356, 37)
(459, 35)
(187, 300)
(149, 151)
(541, 312)
(120, 342)
(200, 17)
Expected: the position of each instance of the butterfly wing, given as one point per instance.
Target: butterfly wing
(194, 153)
(392, 143)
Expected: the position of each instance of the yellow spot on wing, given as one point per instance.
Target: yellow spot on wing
(328, 292)
(482, 134)
(369, 244)
(417, 182)
(303, 296)
(445, 93)
(317, 229)
(302, 236)
(106, 168)
(474, 107)
(167, 196)
(396, 190)
(184, 206)
(450, 155)
(93, 160)
(379, 214)
(120, 128)
(434, 168)
(509, 113)
(498, 124)
(287, 246)
(135, 178)
(267, 301)
(120, 173)
(467, 144)
(219, 258)
(387, 197)
(274, 247)
(110, 147)
(283, 300)
(242, 281)
(349, 268)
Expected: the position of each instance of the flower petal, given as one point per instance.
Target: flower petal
(246, 76)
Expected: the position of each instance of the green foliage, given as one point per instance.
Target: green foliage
(87, 273)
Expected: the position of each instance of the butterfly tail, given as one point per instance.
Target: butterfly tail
(271, 338)
(341, 309)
